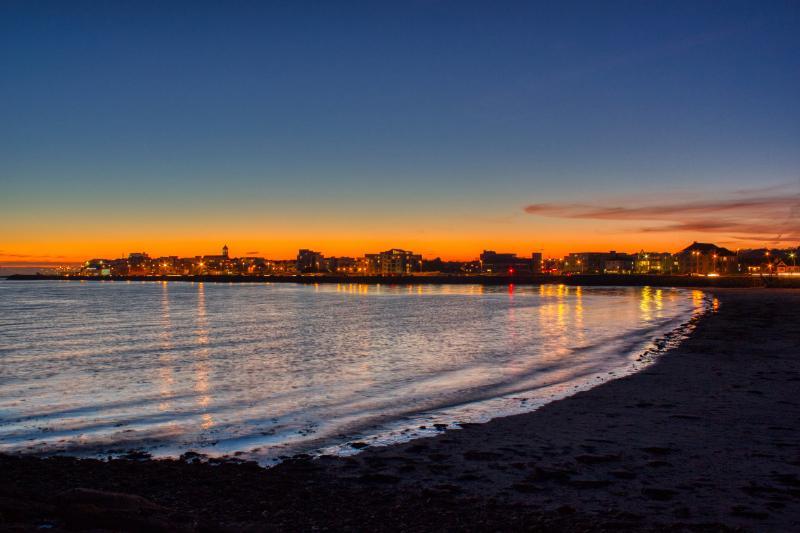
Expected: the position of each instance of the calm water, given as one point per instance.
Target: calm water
(268, 369)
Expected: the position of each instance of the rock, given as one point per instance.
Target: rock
(787, 479)
(565, 509)
(587, 483)
(594, 459)
(541, 474)
(184, 519)
(683, 513)
(743, 512)
(16, 509)
(473, 455)
(658, 494)
(374, 477)
(525, 487)
(622, 474)
(108, 500)
(358, 445)
(137, 456)
(658, 450)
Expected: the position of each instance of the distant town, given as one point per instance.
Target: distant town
(698, 259)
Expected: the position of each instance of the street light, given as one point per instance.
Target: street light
(769, 265)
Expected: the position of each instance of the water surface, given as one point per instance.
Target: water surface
(94, 368)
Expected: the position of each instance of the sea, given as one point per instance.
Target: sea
(265, 371)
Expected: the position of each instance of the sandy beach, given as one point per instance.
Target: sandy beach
(705, 439)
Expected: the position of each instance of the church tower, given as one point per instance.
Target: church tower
(225, 251)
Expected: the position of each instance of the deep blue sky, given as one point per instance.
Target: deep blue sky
(345, 125)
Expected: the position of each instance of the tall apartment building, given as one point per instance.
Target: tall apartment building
(309, 260)
(536, 263)
(396, 261)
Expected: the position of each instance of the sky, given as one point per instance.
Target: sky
(442, 127)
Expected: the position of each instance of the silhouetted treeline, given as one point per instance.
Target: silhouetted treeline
(753, 257)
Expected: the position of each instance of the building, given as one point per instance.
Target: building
(223, 257)
(536, 263)
(655, 263)
(282, 267)
(310, 261)
(619, 266)
(552, 265)
(702, 258)
(167, 266)
(586, 262)
(494, 263)
(595, 262)
(96, 267)
(369, 265)
(138, 264)
(254, 266)
(782, 269)
(396, 261)
(340, 265)
(670, 264)
(215, 264)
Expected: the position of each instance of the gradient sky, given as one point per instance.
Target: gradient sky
(444, 127)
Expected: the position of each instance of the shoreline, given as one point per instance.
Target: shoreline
(591, 280)
(704, 439)
(665, 341)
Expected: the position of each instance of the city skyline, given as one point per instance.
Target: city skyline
(440, 127)
(695, 259)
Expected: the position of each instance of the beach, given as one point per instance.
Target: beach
(705, 439)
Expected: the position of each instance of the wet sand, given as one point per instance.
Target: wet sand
(706, 439)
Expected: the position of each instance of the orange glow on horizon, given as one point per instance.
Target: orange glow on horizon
(62, 253)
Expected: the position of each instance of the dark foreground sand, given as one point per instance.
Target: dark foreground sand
(707, 439)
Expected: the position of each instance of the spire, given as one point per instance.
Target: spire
(225, 251)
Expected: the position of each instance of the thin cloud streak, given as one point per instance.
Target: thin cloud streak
(751, 215)
(23, 256)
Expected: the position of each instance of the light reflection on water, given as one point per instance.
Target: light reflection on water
(276, 368)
